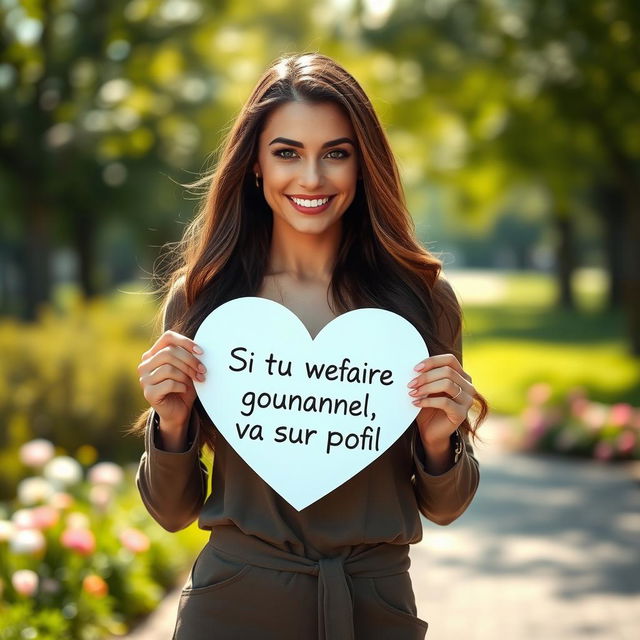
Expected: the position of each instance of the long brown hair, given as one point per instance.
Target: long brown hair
(380, 263)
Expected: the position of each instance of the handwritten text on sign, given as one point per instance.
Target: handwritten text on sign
(307, 415)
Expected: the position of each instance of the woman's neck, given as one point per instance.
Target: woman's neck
(303, 256)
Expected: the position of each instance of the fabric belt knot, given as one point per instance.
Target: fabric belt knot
(335, 602)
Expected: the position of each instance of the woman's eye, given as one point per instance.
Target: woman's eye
(285, 153)
(341, 154)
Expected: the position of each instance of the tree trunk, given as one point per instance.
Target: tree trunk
(84, 243)
(610, 202)
(37, 258)
(631, 277)
(565, 261)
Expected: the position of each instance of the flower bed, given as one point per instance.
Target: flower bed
(79, 555)
(576, 425)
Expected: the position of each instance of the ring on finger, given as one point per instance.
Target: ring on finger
(459, 392)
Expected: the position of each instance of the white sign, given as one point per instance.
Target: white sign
(306, 415)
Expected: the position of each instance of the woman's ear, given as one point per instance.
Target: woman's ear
(256, 168)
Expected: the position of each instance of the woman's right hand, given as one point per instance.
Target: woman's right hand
(167, 372)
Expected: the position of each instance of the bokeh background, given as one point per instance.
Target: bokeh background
(515, 125)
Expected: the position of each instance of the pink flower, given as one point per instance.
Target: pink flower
(61, 500)
(100, 496)
(80, 540)
(36, 453)
(27, 541)
(25, 582)
(45, 516)
(134, 540)
(579, 406)
(539, 393)
(603, 451)
(532, 418)
(626, 442)
(107, 473)
(621, 414)
(536, 425)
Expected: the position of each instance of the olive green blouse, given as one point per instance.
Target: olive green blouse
(381, 503)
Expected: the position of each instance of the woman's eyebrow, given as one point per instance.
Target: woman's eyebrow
(295, 143)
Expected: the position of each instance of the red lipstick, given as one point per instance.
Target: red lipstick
(310, 210)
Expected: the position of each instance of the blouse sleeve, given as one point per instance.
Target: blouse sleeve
(172, 485)
(443, 498)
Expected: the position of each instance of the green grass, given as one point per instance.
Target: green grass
(519, 337)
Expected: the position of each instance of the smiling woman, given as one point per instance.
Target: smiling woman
(309, 171)
(305, 207)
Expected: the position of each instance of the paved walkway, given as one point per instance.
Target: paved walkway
(549, 549)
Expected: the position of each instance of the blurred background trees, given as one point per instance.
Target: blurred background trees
(524, 111)
(515, 124)
(506, 109)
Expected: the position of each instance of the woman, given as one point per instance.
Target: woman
(306, 208)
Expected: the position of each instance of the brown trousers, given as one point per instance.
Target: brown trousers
(241, 587)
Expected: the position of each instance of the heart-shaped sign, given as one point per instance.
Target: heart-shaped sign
(307, 414)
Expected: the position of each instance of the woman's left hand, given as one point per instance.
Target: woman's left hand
(444, 391)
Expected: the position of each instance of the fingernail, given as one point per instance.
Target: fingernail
(200, 377)
(413, 383)
(419, 367)
(197, 349)
(414, 392)
(202, 368)
(416, 402)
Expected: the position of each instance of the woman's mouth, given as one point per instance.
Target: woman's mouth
(310, 205)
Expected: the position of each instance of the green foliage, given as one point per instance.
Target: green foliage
(516, 337)
(97, 561)
(575, 425)
(71, 378)
(24, 620)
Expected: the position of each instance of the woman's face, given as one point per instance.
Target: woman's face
(308, 163)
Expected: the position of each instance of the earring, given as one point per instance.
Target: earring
(257, 183)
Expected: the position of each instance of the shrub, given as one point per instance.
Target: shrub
(81, 558)
(579, 426)
(71, 378)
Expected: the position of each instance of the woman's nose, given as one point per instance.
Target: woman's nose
(311, 176)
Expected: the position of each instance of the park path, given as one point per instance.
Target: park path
(548, 550)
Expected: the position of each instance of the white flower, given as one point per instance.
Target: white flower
(36, 453)
(24, 519)
(25, 582)
(27, 541)
(108, 473)
(78, 520)
(6, 530)
(63, 471)
(34, 490)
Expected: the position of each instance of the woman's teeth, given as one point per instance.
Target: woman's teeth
(310, 203)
